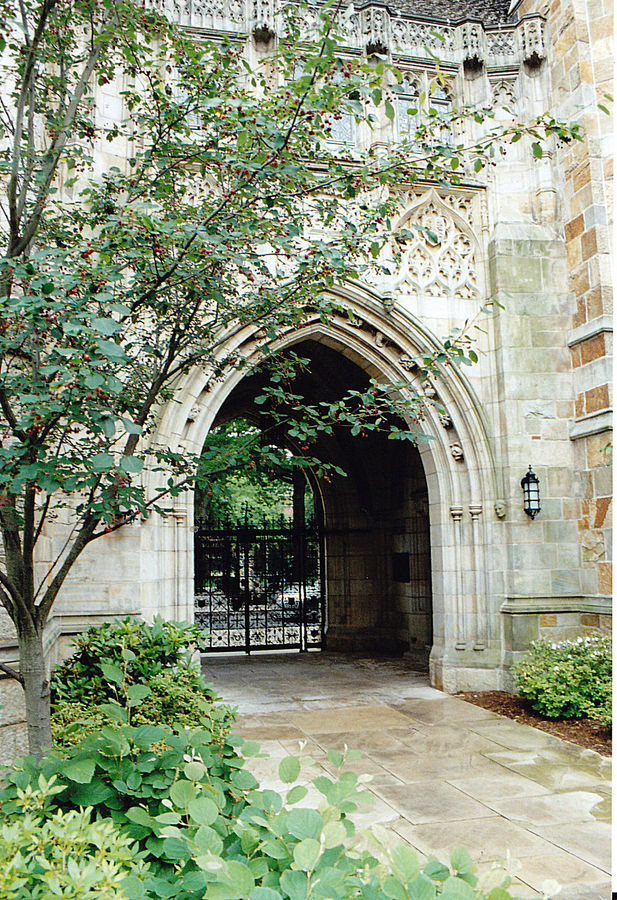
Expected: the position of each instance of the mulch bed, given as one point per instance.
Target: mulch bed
(585, 732)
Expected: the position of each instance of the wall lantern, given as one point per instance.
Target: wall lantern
(531, 493)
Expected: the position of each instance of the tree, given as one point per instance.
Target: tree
(112, 285)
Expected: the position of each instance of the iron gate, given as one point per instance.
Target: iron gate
(259, 587)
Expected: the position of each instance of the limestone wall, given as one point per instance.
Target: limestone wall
(581, 58)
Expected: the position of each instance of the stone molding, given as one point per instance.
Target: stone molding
(588, 330)
(594, 423)
(563, 604)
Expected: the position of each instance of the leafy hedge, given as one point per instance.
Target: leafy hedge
(569, 679)
(145, 669)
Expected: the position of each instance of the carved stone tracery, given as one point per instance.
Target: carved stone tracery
(440, 261)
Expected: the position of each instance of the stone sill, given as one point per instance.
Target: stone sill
(595, 423)
(590, 329)
(566, 604)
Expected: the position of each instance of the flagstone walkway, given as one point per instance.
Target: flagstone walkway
(444, 773)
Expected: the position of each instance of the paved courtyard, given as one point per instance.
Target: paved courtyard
(444, 773)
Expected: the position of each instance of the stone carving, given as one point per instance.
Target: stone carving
(428, 390)
(501, 43)
(407, 34)
(472, 42)
(209, 9)
(441, 260)
(407, 363)
(194, 414)
(532, 38)
(445, 420)
(502, 94)
(376, 30)
(500, 509)
(457, 452)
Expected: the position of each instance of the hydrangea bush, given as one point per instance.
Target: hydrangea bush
(568, 679)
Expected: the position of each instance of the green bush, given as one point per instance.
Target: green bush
(142, 668)
(569, 679)
(207, 832)
(62, 854)
(140, 650)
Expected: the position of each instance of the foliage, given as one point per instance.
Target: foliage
(259, 477)
(207, 830)
(140, 669)
(131, 650)
(61, 854)
(568, 679)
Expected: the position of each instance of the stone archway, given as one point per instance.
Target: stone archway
(458, 468)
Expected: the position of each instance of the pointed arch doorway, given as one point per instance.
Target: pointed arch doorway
(363, 583)
(464, 484)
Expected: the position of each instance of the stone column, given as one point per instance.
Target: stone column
(457, 515)
(478, 631)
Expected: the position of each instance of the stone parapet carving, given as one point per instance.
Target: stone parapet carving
(376, 29)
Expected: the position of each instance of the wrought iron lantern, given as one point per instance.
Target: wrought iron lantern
(531, 493)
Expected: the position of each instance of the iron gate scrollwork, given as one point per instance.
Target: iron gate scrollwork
(259, 587)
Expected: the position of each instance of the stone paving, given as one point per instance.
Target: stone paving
(444, 773)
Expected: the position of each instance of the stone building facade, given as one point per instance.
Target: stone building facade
(485, 579)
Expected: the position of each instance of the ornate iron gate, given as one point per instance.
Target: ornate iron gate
(259, 587)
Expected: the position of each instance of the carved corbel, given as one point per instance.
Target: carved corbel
(376, 30)
(532, 40)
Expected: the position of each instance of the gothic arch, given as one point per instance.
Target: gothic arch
(458, 465)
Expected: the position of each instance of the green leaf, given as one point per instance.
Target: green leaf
(131, 464)
(112, 673)
(294, 884)
(456, 889)
(335, 758)
(139, 816)
(174, 848)
(422, 889)
(406, 863)
(436, 869)
(264, 893)
(181, 793)
(478, 164)
(334, 833)
(194, 770)
(136, 693)
(102, 462)
(393, 888)
(80, 770)
(296, 794)
(289, 769)
(276, 849)
(106, 326)
(203, 810)
(537, 150)
(389, 110)
(306, 854)
(461, 861)
(304, 823)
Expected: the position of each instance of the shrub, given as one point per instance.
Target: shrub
(145, 669)
(207, 832)
(62, 854)
(140, 650)
(569, 679)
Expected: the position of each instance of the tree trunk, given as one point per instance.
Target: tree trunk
(36, 686)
